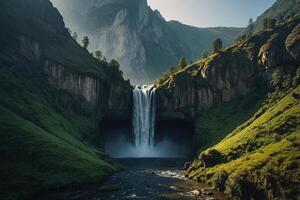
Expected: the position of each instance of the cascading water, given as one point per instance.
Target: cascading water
(144, 117)
(142, 143)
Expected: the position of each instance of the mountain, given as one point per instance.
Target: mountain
(280, 10)
(139, 38)
(53, 97)
(244, 103)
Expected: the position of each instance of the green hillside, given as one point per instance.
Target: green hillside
(45, 144)
(248, 145)
(42, 145)
(260, 158)
(280, 10)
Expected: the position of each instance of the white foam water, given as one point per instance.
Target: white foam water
(144, 117)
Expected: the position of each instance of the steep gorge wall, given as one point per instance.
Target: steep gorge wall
(138, 37)
(91, 94)
(44, 51)
(244, 68)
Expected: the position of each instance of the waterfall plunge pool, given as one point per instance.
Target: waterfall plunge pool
(143, 136)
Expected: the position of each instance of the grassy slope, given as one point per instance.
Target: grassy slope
(217, 122)
(255, 154)
(264, 150)
(280, 9)
(42, 146)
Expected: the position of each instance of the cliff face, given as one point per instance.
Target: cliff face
(235, 72)
(280, 10)
(53, 95)
(47, 45)
(90, 93)
(140, 38)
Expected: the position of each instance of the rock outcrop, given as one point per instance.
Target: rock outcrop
(46, 49)
(89, 93)
(235, 72)
(142, 41)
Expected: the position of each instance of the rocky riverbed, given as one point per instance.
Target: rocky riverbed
(145, 178)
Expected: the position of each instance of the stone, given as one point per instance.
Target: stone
(195, 193)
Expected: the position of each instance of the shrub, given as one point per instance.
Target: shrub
(211, 158)
(239, 187)
(219, 179)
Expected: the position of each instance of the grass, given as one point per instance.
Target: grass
(217, 122)
(264, 151)
(42, 145)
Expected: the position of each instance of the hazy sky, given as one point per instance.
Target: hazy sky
(209, 13)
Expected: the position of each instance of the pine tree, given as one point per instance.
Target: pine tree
(182, 63)
(266, 23)
(250, 26)
(85, 42)
(217, 45)
(272, 23)
(98, 55)
(74, 36)
(69, 30)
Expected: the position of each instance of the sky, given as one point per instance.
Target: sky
(211, 13)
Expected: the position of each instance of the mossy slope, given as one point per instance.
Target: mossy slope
(43, 144)
(260, 159)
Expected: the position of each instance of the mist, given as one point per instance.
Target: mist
(120, 147)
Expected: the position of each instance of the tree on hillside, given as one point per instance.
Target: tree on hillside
(250, 26)
(74, 36)
(182, 63)
(85, 42)
(115, 64)
(266, 23)
(251, 21)
(98, 55)
(104, 59)
(272, 23)
(69, 30)
(217, 45)
(114, 69)
(269, 23)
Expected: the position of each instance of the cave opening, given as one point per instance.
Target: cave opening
(173, 139)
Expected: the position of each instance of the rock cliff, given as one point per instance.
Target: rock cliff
(67, 66)
(229, 74)
(139, 38)
(53, 96)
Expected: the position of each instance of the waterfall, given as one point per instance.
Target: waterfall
(144, 116)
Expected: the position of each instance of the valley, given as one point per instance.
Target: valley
(77, 124)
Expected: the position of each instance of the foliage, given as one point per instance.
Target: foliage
(182, 63)
(42, 145)
(75, 36)
(85, 42)
(215, 123)
(98, 55)
(280, 10)
(217, 45)
(269, 23)
(270, 136)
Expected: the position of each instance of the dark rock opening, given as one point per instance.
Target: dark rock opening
(178, 133)
(173, 138)
(116, 132)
